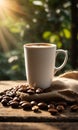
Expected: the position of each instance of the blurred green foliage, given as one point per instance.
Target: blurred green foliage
(41, 21)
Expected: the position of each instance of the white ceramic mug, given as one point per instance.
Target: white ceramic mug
(40, 63)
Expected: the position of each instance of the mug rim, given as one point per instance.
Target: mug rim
(50, 45)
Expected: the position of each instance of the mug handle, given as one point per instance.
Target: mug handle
(65, 59)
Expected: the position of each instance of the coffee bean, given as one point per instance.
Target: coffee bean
(24, 90)
(33, 103)
(35, 108)
(26, 106)
(61, 103)
(0, 98)
(39, 90)
(11, 93)
(60, 108)
(4, 102)
(21, 90)
(10, 102)
(7, 98)
(42, 106)
(52, 102)
(74, 108)
(51, 106)
(16, 99)
(53, 111)
(21, 102)
(11, 89)
(32, 88)
(14, 104)
(2, 93)
(16, 88)
(30, 91)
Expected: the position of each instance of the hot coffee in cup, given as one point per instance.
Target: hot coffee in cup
(40, 63)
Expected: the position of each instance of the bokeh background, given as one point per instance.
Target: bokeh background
(26, 21)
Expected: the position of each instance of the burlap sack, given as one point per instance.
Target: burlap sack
(63, 88)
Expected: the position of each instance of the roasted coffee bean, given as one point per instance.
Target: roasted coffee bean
(60, 108)
(74, 108)
(26, 106)
(42, 106)
(21, 90)
(30, 91)
(4, 102)
(32, 88)
(11, 89)
(10, 102)
(51, 106)
(16, 99)
(28, 87)
(7, 98)
(35, 108)
(53, 111)
(61, 103)
(33, 103)
(11, 94)
(0, 98)
(39, 90)
(24, 90)
(16, 88)
(2, 93)
(21, 102)
(52, 102)
(23, 86)
(14, 104)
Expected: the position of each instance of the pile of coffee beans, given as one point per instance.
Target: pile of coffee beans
(9, 98)
(28, 89)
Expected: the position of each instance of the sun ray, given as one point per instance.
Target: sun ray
(8, 8)
(3, 41)
(9, 36)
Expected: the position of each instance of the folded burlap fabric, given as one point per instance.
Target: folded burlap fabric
(63, 88)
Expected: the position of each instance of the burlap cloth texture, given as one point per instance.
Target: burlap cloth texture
(64, 88)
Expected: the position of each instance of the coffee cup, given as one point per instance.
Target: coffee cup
(40, 61)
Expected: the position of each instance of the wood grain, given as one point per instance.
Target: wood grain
(39, 126)
(8, 114)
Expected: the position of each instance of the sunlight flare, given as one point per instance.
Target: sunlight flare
(2, 2)
(8, 8)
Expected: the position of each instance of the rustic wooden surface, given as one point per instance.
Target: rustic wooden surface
(39, 126)
(19, 119)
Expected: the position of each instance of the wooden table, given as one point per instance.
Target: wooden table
(18, 119)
